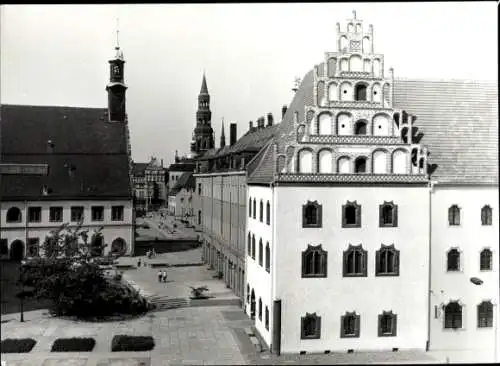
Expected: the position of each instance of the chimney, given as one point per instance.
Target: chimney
(270, 119)
(250, 125)
(162, 163)
(232, 134)
(283, 111)
(262, 122)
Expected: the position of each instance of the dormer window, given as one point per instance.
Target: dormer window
(311, 214)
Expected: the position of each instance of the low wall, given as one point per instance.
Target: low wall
(164, 246)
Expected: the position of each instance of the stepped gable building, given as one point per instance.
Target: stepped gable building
(150, 185)
(88, 154)
(221, 196)
(378, 188)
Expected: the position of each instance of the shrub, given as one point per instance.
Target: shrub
(125, 343)
(23, 345)
(73, 345)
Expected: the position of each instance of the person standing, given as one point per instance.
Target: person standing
(160, 275)
(164, 276)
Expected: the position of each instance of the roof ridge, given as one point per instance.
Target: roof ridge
(446, 80)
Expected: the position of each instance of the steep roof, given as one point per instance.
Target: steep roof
(458, 120)
(186, 180)
(86, 154)
(253, 140)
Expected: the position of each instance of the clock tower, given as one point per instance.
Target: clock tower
(116, 88)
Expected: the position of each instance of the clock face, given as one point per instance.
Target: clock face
(116, 70)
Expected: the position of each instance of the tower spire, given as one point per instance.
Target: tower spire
(117, 33)
(222, 135)
(204, 89)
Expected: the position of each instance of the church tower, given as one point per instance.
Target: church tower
(203, 138)
(116, 88)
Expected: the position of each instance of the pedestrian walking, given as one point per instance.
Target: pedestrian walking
(139, 262)
(164, 276)
(160, 275)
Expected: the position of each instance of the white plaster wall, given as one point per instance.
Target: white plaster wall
(255, 275)
(111, 231)
(471, 237)
(331, 297)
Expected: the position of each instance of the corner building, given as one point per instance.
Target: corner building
(347, 233)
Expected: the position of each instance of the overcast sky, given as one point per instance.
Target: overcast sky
(58, 55)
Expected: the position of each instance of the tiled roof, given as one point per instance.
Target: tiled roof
(182, 167)
(253, 140)
(88, 158)
(186, 180)
(458, 120)
(140, 169)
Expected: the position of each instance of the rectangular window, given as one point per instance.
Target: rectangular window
(199, 189)
(387, 324)
(117, 213)
(56, 214)
(310, 326)
(32, 249)
(485, 315)
(349, 325)
(312, 215)
(388, 215)
(351, 215)
(97, 213)
(76, 213)
(34, 214)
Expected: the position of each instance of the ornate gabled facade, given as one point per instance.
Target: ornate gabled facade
(350, 130)
(367, 230)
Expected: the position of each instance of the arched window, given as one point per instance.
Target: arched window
(250, 207)
(268, 213)
(486, 215)
(253, 246)
(454, 215)
(268, 258)
(324, 124)
(311, 214)
(310, 326)
(343, 165)
(388, 214)
(321, 93)
(355, 261)
(332, 67)
(387, 324)
(453, 259)
(349, 325)
(387, 261)
(325, 161)
(261, 252)
(360, 128)
(333, 92)
(305, 161)
(360, 165)
(399, 162)
(14, 215)
(485, 260)
(261, 212)
(260, 308)
(360, 93)
(485, 315)
(379, 162)
(118, 246)
(453, 315)
(249, 244)
(254, 209)
(314, 262)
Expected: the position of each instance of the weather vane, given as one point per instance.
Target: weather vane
(117, 33)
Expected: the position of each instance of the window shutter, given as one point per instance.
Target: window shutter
(365, 262)
(380, 325)
(324, 264)
(395, 325)
(357, 324)
(457, 215)
(318, 327)
(344, 219)
(342, 329)
(304, 223)
(377, 262)
(358, 215)
(396, 262)
(302, 330)
(450, 215)
(381, 215)
(320, 215)
(344, 264)
(395, 216)
(303, 264)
